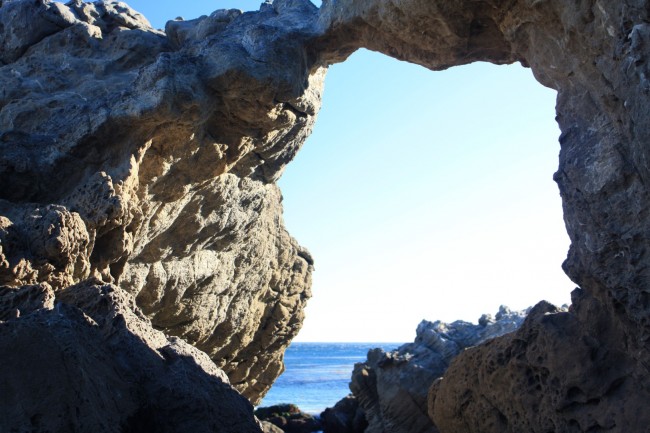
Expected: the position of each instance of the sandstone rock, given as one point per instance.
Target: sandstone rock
(148, 160)
(46, 244)
(92, 362)
(392, 387)
(553, 374)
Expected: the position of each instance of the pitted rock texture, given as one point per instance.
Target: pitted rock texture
(547, 376)
(550, 375)
(91, 362)
(595, 54)
(149, 160)
(392, 387)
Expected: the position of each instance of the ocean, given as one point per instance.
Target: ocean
(317, 375)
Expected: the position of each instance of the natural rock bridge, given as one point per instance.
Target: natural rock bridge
(138, 168)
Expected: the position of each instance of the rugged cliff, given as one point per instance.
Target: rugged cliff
(148, 161)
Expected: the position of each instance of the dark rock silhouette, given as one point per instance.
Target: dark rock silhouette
(91, 362)
(345, 417)
(288, 418)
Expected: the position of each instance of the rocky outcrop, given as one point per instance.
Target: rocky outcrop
(392, 387)
(148, 160)
(92, 362)
(547, 376)
(595, 54)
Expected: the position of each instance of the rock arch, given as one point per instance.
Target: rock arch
(148, 160)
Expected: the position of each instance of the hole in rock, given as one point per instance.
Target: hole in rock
(422, 195)
(426, 195)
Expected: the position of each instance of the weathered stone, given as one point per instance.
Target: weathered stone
(92, 362)
(595, 55)
(149, 160)
(392, 387)
(47, 244)
(25, 300)
(550, 375)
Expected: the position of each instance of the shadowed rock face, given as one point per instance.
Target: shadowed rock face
(91, 362)
(550, 375)
(148, 160)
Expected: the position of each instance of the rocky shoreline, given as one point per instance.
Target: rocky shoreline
(389, 390)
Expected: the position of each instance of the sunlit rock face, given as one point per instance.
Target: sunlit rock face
(148, 160)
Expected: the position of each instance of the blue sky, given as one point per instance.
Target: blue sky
(427, 195)
(421, 195)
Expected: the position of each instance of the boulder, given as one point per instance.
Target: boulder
(148, 160)
(91, 361)
(345, 417)
(288, 418)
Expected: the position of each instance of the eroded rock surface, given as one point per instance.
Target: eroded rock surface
(148, 160)
(550, 375)
(595, 54)
(92, 362)
(392, 387)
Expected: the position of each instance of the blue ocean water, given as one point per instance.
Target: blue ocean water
(317, 375)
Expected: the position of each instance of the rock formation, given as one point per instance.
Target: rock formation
(392, 387)
(91, 362)
(148, 160)
(547, 376)
(595, 357)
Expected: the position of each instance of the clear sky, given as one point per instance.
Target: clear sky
(421, 195)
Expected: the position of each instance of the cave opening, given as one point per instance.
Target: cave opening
(426, 196)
